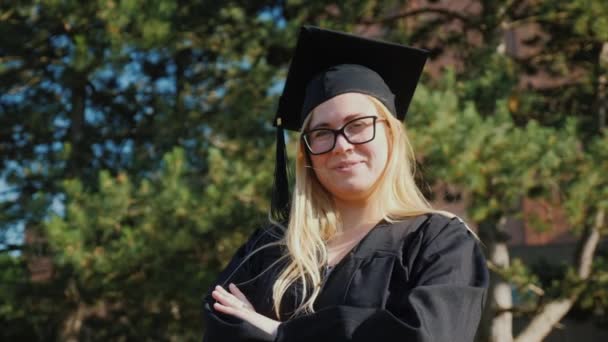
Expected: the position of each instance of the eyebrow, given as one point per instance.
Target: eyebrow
(346, 119)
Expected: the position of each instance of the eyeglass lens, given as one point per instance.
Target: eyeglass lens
(357, 131)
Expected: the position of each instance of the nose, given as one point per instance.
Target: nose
(342, 144)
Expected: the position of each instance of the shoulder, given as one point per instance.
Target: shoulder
(430, 235)
(427, 228)
(439, 230)
(445, 247)
(416, 233)
(265, 238)
(266, 234)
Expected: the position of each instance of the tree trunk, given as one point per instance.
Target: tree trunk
(496, 323)
(501, 301)
(542, 323)
(72, 330)
(73, 324)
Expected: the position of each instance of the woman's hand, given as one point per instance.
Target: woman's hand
(235, 303)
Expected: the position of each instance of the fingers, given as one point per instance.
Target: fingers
(235, 303)
(227, 303)
(227, 310)
(238, 294)
(228, 299)
(224, 297)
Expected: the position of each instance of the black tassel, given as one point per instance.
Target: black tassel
(279, 209)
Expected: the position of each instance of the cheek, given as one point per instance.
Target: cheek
(317, 163)
(322, 173)
(384, 155)
(379, 152)
(379, 161)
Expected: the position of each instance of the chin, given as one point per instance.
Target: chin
(350, 191)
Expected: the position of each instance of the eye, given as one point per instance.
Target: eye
(320, 134)
(357, 124)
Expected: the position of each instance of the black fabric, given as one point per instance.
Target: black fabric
(422, 279)
(397, 67)
(342, 79)
(243, 270)
(279, 204)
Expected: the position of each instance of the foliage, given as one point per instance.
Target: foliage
(136, 140)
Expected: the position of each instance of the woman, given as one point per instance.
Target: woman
(363, 255)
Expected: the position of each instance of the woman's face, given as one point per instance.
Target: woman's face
(349, 171)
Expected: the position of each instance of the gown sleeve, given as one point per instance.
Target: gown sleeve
(442, 300)
(224, 328)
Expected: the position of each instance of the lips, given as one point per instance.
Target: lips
(346, 165)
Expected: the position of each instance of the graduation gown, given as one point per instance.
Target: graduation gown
(420, 279)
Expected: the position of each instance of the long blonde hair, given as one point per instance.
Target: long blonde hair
(313, 218)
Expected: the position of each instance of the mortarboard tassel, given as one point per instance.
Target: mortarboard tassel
(279, 207)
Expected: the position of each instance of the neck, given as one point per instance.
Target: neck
(357, 215)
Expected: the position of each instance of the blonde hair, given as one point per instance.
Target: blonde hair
(313, 218)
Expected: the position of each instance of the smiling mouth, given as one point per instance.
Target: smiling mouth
(346, 166)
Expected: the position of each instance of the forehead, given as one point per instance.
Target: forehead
(341, 108)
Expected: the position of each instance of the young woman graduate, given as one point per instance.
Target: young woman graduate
(360, 254)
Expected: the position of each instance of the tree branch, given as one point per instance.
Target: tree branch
(555, 310)
(508, 7)
(536, 18)
(411, 13)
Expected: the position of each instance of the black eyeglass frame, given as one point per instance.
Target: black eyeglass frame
(341, 131)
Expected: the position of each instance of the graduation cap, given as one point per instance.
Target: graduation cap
(328, 63)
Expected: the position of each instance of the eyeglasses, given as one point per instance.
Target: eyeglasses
(358, 131)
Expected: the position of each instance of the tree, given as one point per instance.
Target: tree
(98, 100)
(94, 95)
(136, 140)
(565, 45)
(495, 163)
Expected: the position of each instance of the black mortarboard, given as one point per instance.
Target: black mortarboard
(328, 63)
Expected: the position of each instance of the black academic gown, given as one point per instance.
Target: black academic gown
(421, 279)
